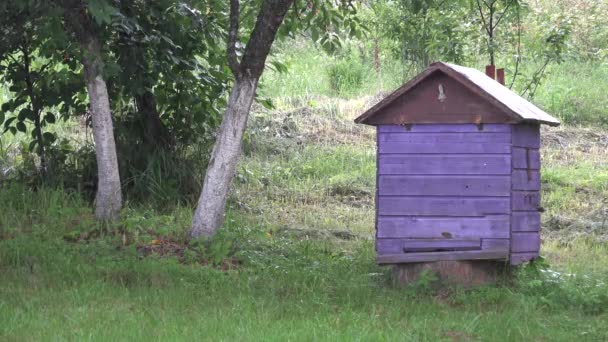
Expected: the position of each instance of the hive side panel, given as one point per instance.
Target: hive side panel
(525, 198)
(443, 187)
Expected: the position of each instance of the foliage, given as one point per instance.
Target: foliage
(346, 75)
(426, 30)
(36, 60)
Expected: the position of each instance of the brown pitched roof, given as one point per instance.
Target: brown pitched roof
(516, 107)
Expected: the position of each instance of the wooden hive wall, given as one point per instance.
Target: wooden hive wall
(446, 187)
(525, 216)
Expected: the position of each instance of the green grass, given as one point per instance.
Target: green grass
(299, 227)
(286, 289)
(313, 73)
(575, 92)
(300, 224)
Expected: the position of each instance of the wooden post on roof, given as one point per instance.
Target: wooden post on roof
(500, 76)
(491, 71)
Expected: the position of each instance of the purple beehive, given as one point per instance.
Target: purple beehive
(458, 169)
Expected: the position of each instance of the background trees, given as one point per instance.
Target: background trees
(166, 73)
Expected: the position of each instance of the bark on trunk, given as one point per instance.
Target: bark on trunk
(108, 200)
(209, 214)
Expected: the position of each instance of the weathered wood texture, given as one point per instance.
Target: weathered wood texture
(491, 226)
(458, 192)
(462, 273)
(443, 192)
(525, 199)
(440, 99)
(449, 93)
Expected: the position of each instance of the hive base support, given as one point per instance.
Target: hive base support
(469, 273)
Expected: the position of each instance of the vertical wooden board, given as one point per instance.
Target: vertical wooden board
(525, 221)
(520, 258)
(495, 244)
(443, 206)
(526, 180)
(526, 158)
(525, 242)
(526, 135)
(492, 164)
(377, 176)
(444, 185)
(445, 128)
(496, 226)
(525, 201)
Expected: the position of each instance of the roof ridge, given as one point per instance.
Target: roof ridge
(511, 103)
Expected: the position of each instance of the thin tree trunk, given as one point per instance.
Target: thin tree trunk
(209, 214)
(155, 134)
(108, 200)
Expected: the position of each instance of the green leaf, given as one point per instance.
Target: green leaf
(21, 126)
(2, 117)
(32, 145)
(49, 117)
(267, 103)
(279, 67)
(48, 137)
(101, 11)
(8, 122)
(25, 113)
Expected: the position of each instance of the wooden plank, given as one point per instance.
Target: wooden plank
(445, 128)
(442, 206)
(526, 158)
(526, 135)
(444, 185)
(468, 164)
(393, 246)
(437, 227)
(526, 180)
(520, 258)
(433, 138)
(443, 148)
(495, 244)
(420, 105)
(525, 200)
(440, 256)
(525, 242)
(525, 221)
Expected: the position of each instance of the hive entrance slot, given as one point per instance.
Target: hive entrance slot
(440, 245)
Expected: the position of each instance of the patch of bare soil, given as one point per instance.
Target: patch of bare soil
(165, 247)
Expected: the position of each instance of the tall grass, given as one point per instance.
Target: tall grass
(312, 73)
(294, 287)
(576, 92)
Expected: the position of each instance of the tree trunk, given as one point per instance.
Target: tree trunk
(108, 200)
(209, 214)
(155, 134)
